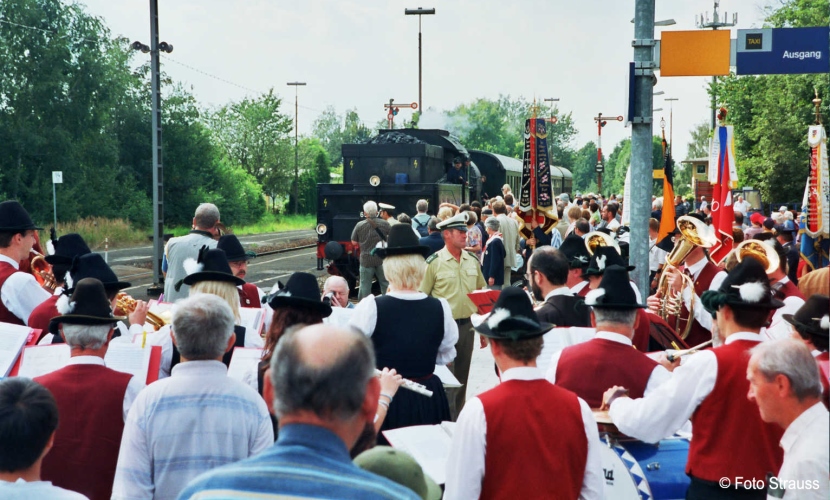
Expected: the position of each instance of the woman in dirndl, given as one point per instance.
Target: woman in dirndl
(411, 332)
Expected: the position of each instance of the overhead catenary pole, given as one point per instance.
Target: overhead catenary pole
(641, 148)
(295, 188)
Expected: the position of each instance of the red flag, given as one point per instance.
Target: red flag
(723, 213)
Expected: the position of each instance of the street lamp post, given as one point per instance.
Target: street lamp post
(296, 187)
(419, 12)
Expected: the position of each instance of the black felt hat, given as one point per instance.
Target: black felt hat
(211, 265)
(13, 217)
(513, 318)
(574, 249)
(813, 317)
(603, 258)
(301, 290)
(746, 285)
(88, 305)
(401, 241)
(92, 265)
(614, 291)
(66, 248)
(233, 248)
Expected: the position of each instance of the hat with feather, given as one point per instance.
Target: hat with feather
(300, 291)
(813, 317)
(614, 291)
(574, 249)
(603, 258)
(513, 318)
(746, 286)
(92, 265)
(62, 250)
(88, 305)
(211, 265)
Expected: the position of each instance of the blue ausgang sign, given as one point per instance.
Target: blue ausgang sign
(783, 51)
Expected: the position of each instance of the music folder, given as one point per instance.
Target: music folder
(12, 340)
(429, 445)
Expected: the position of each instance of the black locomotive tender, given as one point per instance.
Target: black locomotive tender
(400, 167)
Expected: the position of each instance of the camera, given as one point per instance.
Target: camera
(328, 298)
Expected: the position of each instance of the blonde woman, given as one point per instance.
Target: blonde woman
(411, 332)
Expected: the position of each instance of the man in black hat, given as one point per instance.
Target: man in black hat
(730, 440)
(249, 294)
(574, 249)
(608, 357)
(203, 233)
(493, 453)
(61, 253)
(456, 175)
(20, 293)
(451, 274)
(784, 234)
(93, 400)
(548, 271)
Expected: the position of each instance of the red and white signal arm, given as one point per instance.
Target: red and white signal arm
(390, 115)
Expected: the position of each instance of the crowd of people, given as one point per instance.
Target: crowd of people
(309, 423)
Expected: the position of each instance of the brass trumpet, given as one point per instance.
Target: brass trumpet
(42, 271)
(127, 304)
(693, 233)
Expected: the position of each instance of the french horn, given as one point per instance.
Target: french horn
(758, 250)
(596, 239)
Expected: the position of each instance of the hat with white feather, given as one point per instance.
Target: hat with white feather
(211, 265)
(746, 286)
(513, 318)
(813, 317)
(614, 291)
(88, 305)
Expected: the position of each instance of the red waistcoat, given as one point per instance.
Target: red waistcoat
(698, 334)
(536, 443)
(729, 438)
(584, 291)
(90, 402)
(42, 314)
(591, 368)
(7, 316)
(249, 295)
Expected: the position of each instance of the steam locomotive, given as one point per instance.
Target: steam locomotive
(400, 167)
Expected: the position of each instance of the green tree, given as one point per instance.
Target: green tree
(584, 168)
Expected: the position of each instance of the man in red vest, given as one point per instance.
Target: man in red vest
(93, 400)
(732, 448)
(61, 252)
(249, 294)
(609, 359)
(549, 448)
(20, 293)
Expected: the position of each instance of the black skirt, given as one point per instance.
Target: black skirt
(411, 408)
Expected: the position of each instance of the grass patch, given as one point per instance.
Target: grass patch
(99, 232)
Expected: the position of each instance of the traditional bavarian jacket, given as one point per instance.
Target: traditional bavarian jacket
(563, 309)
(249, 295)
(42, 314)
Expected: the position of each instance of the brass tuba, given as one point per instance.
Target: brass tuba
(127, 304)
(760, 251)
(693, 233)
(42, 271)
(596, 239)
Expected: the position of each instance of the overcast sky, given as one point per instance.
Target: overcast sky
(360, 53)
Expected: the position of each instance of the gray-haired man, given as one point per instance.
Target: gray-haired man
(326, 395)
(184, 247)
(367, 234)
(198, 418)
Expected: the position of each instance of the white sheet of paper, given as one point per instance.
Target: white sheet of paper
(251, 318)
(340, 317)
(560, 338)
(446, 376)
(12, 340)
(128, 358)
(42, 359)
(429, 445)
(244, 365)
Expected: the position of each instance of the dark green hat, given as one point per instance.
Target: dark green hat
(513, 318)
(746, 286)
(614, 291)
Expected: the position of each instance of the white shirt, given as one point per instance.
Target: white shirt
(578, 287)
(21, 292)
(41, 490)
(700, 313)
(134, 386)
(658, 376)
(656, 255)
(669, 406)
(182, 426)
(465, 465)
(613, 225)
(563, 290)
(741, 206)
(806, 456)
(365, 319)
(778, 328)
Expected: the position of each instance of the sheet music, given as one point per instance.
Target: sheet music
(42, 359)
(251, 319)
(429, 445)
(446, 376)
(244, 365)
(128, 358)
(12, 340)
(560, 338)
(340, 317)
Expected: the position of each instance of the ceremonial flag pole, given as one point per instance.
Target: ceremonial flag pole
(724, 177)
(667, 222)
(536, 195)
(814, 226)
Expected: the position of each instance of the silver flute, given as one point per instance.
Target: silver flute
(412, 386)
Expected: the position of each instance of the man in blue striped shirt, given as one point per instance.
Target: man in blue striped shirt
(326, 394)
(195, 420)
